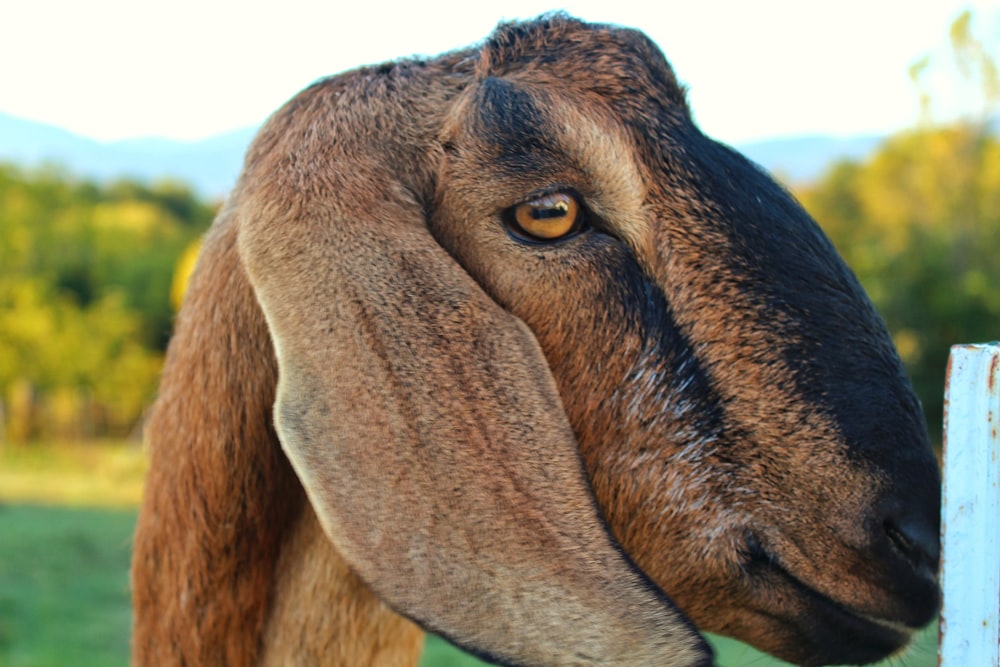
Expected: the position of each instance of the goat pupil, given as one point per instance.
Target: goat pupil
(551, 212)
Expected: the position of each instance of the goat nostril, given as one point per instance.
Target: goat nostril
(916, 540)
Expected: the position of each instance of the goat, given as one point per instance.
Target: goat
(551, 374)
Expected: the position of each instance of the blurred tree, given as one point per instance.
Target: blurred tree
(963, 83)
(85, 280)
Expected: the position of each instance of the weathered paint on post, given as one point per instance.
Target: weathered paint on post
(970, 521)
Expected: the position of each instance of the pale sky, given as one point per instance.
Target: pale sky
(188, 69)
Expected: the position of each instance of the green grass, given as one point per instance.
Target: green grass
(439, 653)
(64, 586)
(64, 567)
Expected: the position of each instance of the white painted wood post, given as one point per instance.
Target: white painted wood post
(970, 514)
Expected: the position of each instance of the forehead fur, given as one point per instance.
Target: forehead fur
(617, 61)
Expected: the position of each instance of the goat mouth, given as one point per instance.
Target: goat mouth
(827, 630)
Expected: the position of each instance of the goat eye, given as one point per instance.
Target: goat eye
(547, 218)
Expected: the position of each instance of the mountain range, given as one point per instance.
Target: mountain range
(211, 165)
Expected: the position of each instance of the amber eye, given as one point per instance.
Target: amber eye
(547, 218)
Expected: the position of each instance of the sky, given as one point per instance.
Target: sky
(190, 69)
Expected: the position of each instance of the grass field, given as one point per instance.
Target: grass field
(66, 519)
(64, 586)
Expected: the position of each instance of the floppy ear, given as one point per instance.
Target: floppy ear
(426, 428)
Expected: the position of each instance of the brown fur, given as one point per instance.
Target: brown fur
(323, 614)
(741, 416)
(219, 495)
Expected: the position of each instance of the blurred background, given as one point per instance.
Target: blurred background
(122, 128)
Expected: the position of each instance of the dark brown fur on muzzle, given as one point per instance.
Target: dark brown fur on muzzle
(500, 344)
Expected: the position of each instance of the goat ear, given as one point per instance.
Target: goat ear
(427, 430)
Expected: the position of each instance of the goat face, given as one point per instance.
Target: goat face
(743, 416)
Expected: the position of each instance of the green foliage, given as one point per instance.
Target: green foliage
(85, 296)
(963, 83)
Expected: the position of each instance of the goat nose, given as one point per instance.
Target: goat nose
(915, 536)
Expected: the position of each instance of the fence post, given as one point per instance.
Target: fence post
(970, 513)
